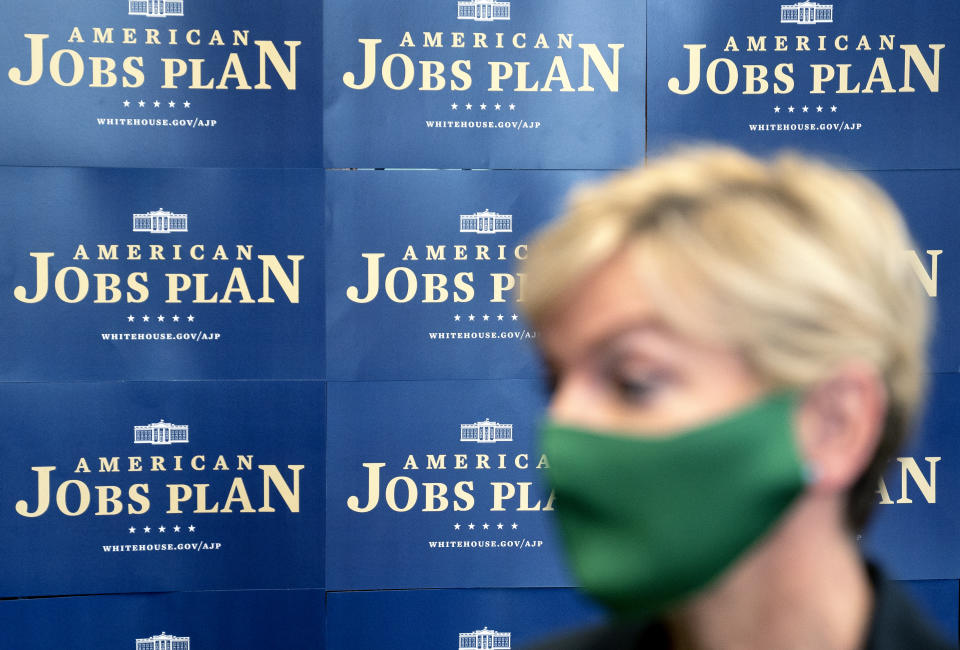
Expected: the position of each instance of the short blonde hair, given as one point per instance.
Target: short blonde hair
(796, 264)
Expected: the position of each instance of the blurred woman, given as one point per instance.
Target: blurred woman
(737, 348)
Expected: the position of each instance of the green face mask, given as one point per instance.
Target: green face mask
(647, 521)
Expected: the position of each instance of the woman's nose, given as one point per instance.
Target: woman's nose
(574, 401)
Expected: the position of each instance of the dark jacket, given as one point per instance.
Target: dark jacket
(896, 625)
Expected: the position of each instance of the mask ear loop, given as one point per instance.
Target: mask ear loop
(812, 471)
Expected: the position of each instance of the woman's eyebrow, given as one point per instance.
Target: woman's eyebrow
(602, 343)
(610, 340)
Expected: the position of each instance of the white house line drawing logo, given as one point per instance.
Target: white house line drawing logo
(486, 222)
(485, 10)
(483, 640)
(161, 433)
(155, 8)
(486, 431)
(164, 641)
(806, 13)
(159, 221)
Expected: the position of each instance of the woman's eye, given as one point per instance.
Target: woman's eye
(636, 390)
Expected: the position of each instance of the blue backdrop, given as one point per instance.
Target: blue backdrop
(91, 506)
(184, 304)
(289, 233)
(741, 75)
(100, 86)
(555, 85)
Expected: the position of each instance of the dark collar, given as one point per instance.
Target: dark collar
(897, 623)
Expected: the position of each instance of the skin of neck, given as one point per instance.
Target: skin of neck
(802, 586)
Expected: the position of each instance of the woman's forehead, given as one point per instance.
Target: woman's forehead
(608, 303)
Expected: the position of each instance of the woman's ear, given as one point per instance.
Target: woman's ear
(840, 422)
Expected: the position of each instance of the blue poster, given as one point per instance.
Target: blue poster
(871, 85)
(438, 484)
(161, 274)
(422, 271)
(925, 199)
(530, 84)
(207, 620)
(161, 83)
(453, 618)
(159, 486)
(916, 523)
